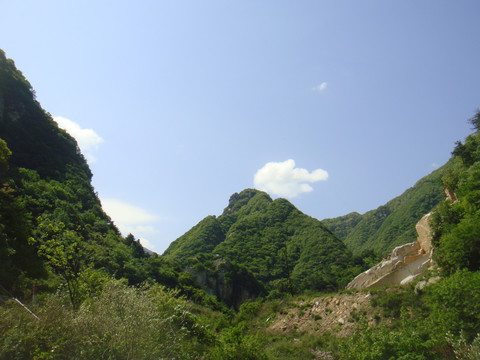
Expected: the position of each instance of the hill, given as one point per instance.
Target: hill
(32, 136)
(392, 224)
(53, 230)
(278, 244)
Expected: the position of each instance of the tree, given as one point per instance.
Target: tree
(60, 248)
(456, 229)
(137, 248)
(475, 121)
(5, 153)
(17, 257)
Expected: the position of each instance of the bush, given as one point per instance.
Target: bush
(454, 304)
(463, 350)
(234, 344)
(122, 323)
(409, 341)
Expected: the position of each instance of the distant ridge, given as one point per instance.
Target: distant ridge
(392, 224)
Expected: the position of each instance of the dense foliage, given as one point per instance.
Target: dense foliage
(23, 123)
(342, 225)
(52, 226)
(285, 249)
(17, 258)
(119, 322)
(456, 221)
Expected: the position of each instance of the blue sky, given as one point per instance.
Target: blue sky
(337, 105)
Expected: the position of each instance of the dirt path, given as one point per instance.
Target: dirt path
(335, 314)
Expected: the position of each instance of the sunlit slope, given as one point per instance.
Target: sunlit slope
(392, 224)
(279, 244)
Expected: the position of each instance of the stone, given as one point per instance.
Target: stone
(408, 279)
(420, 286)
(424, 232)
(404, 264)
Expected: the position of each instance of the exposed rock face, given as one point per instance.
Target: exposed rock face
(227, 282)
(404, 264)
(425, 234)
(450, 194)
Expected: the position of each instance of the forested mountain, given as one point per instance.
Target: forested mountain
(47, 184)
(52, 227)
(281, 246)
(392, 224)
(456, 221)
(32, 136)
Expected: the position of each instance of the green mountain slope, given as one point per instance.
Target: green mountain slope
(456, 221)
(33, 137)
(392, 224)
(341, 226)
(53, 230)
(202, 238)
(273, 240)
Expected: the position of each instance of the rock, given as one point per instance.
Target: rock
(408, 279)
(424, 233)
(450, 194)
(404, 264)
(420, 286)
(219, 280)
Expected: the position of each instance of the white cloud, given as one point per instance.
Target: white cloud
(131, 219)
(320, 87)
(283, 179)
(87, 139)
(127, 214)
(146, 244)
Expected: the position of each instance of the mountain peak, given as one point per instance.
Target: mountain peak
(238, 200)
(282, 247)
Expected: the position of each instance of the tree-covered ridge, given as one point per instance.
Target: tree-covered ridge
(17, 257)
(341, 226)
(33, 137)
(202, 238)
(392, 224)
(456, 221)
(281, 246)
(53, 230)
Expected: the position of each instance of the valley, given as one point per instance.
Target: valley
(262, 280)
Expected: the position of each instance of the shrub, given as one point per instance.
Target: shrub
(122, 323)
(463, 350)
(454, 304)
(235, 344)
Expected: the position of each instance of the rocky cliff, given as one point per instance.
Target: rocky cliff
(404, 264)
(230, 283)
